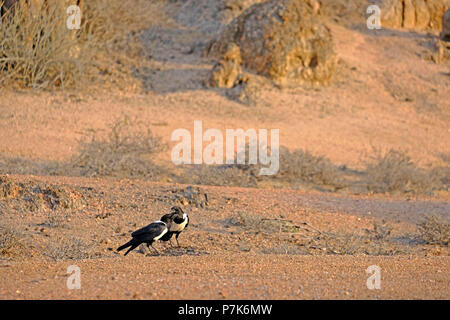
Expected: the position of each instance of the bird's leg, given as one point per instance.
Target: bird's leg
(155, 249)
(170, 242)
(146, 251)
(176, 238)
(148, 246)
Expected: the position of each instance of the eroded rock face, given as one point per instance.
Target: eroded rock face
(283, 40)
(413, 14)
(227, 71)
(445, 34)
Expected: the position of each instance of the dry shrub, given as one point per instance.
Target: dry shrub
(351, 244)
(301, 167)
(38, 50)
(296, 168)
(258, 224)
(395, 172)
(69, 249)
(219, 175)
(34, 50)
(376, 241)
(126, 152)
(435, 230)
(11, 243)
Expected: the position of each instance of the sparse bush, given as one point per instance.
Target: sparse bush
(375, 242)
(219, 175)
(435, 230)
(259, 224)
(11, 243)
(69, 249)
(34, 51)
(37, 49)
(296, 168)
(283, 248)
(351, 244)
(301, 167)
(395, 172)
(121, 154)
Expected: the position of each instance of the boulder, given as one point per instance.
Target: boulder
(283, 40)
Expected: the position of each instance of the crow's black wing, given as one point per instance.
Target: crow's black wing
(167, 236)
(149, 232)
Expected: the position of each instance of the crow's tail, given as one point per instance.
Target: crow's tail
(126, 245)
(133, 246)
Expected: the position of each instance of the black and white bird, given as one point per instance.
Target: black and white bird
(176, 222)
(149, 234)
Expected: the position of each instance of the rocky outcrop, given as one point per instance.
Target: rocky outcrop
(227, 71)
(413, 14)
(445, 34)
(283, 40)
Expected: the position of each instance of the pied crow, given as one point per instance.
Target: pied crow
(176, 222)
(154, 231)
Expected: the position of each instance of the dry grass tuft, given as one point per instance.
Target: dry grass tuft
(219, 175)
(126, 152)
(69, 249)
(435, 230)
(394, 172)
(302, 168)
(258, 224)
(11, 243)
(37, 50)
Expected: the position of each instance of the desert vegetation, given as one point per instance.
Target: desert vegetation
(129, 149)
(39, 51)
(87, 117)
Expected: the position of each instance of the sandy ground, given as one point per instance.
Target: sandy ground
(231, 276)
(385, 95)
(219, 257)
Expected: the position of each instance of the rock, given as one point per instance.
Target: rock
(441, 52)
(227, 71)
(105, 241)
(445, 34)
(283, 40)
(192, 196)
(413, 14)
(247, 89)
(211, 16)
